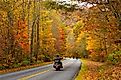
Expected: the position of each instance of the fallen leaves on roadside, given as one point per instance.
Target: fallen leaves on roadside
(100, 71)
(23, 67)
(111, 72)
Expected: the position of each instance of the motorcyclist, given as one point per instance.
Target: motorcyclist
(58, 59)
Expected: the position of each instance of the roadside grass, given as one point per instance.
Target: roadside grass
(82, 71)
(23, 67)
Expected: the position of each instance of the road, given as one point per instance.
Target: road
(47, 72)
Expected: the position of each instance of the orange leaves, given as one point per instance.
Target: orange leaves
(21, 24)
(22, 29)
(61, 33)
(111, 72)
(21, 44)
(24, 45)
(100, 71)
(22, 35)
(25, 36)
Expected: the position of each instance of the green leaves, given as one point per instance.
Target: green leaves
(115, 57)
(60, 5)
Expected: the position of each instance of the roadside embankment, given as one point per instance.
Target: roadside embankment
(92, 70)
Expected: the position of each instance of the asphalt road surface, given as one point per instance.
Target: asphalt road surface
(47, 72)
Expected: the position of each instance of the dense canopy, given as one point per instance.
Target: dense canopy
(35, 31)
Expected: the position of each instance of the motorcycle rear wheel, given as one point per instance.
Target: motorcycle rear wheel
(57, 69)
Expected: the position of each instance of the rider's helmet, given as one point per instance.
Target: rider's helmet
(57, 55)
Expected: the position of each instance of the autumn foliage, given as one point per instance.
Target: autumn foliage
(31, 33)
(21, 35)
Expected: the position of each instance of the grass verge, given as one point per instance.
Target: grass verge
(82, 71)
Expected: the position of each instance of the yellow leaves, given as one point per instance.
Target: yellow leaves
(79, 25)
(49, 21)
(81, 35)
(3, 16)
(91, 44)
(45, 13)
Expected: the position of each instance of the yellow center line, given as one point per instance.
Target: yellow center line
(27, 77)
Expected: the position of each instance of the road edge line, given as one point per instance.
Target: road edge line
(76, 74)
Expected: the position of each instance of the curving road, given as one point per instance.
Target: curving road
(71, 67)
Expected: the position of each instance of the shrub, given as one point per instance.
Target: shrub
(2, 67)
(114, 57)
(46, 59)
(16, 65)
(25, 62)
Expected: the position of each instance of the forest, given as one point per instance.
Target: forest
(34, 31)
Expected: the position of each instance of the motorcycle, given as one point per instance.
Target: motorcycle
(57, 65)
